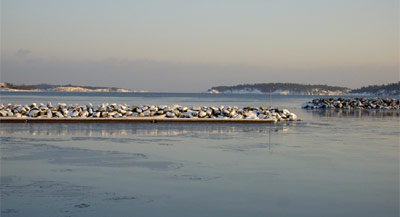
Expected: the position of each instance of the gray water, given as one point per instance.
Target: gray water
(331, 163)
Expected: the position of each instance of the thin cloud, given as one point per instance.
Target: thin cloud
(23, 53)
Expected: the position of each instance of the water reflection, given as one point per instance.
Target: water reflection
(110, 130)
(358, 113)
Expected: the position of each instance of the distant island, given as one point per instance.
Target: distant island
(282, 89)
(306, 89)
(388, 89)
(61, 88)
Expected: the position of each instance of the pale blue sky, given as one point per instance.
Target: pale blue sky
(189, 46)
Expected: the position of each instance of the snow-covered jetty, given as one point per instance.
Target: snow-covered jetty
(175, 113)
(352, 103)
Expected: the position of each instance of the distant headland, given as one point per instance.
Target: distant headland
(392, 89)
(61, 88)
(307, 89)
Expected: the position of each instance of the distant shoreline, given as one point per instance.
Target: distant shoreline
(206, 93)
(307, 89)
(9, 87)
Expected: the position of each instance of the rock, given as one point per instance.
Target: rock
(187, 115)
(112, 114)
(104, 114)
(226, 112)
(277, 116)
(59, 115)
(18, 109)
(70, 112)
(285, 111)
(183, 109)
(24, 111)
(209, 112)
(251, 115)
(123, 107)
(175, 107)
(153, 108)
(216, 112)
(177, 113)
(160, 116)
(214, 108)
(160, 112)
(102, 109)
(196, 108)
(3, 113)
(162, 107)
(292, 117)
(170, 115)
(202, 114)
(42, 112)
(239, 116)
(33, 113)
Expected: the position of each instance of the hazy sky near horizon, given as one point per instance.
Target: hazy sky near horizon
(190, 46)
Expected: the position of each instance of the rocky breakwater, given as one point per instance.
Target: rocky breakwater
(352, 103)
(62, 110)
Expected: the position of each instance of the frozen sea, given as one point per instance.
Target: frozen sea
(329, 164)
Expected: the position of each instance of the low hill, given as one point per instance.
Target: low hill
(282, 89)
(388, 89)
(61, 88)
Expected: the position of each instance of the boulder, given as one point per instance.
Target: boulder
(59, 115)
(33, 113)
(196, 108)
(251, 115)
(202, 114)
(3, 113)
(170, 115)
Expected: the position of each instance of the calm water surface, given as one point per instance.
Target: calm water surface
(330, 164)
